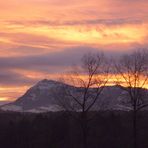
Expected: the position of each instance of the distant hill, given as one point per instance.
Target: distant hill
(40, 98)
(4, 102)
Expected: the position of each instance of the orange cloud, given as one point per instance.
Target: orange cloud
(42, 27)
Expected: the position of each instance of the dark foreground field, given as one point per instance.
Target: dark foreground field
(59, 130)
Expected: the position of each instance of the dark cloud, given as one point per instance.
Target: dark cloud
(55, 62)
(61, 58)
(118, 21)
(10, 78)
(46, 63)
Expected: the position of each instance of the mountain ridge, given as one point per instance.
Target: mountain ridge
(40, 98)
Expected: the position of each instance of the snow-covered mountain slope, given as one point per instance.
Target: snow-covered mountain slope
(42, 97)
(38, 98)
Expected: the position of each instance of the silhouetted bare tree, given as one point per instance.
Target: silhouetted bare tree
(133, 73)
(87, 82)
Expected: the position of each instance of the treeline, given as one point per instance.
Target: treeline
(59, 130)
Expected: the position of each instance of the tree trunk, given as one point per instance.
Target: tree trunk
(135, 128)
(84, 130)
(84, 137)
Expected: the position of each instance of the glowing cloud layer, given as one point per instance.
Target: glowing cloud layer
(42, 37)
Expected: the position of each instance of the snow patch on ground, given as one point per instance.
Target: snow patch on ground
(51, 108)
(11, 108)
(123, 107)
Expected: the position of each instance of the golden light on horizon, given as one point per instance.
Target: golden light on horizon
(3, 99)
(11, 93)
(19, 91)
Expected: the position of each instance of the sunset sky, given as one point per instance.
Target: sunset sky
(42, 38)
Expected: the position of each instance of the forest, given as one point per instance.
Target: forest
(107, 129)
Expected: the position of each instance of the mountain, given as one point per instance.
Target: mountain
(42, 97)
(38, 98)
(4, 102)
